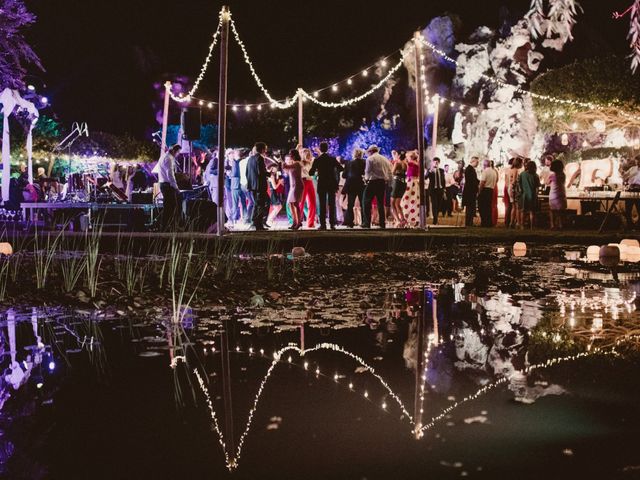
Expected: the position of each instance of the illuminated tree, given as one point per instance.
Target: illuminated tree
(15, 51)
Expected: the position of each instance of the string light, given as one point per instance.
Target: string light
(351, 101)
(548, 98)
(203, 69)
(274, 103)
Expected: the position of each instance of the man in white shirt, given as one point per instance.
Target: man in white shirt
(246, 197)
(169, 187)
(488, 182)
(377, 173)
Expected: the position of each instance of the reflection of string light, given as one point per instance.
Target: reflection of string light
(232, 463)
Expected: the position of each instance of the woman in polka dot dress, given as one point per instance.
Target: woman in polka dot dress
(411, 199)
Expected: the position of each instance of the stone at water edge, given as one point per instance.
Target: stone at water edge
(298, 252)
(609, 255)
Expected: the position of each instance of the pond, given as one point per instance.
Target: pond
(461, 363)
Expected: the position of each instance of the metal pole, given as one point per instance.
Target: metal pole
(222, 115)
(417, 415)
(420, 126)
(165, 117)
(436, 117)
(226, 388)
(300, 119)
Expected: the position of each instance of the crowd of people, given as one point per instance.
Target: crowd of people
(315, 189)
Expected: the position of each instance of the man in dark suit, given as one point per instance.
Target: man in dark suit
(327, 168)
(470, 191)
(436, 189)
(354, 185)
(257, 185)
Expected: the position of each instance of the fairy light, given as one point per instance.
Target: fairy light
(203, 69)
(548, 98)
(334, 88)
(365, 73)
(210, 105)
(275, 103)
(232, 462)
(354, 100)
(383, 63)
(349, 81)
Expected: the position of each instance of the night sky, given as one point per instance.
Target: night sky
(102, 57)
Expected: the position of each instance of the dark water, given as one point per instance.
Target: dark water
(87, 396)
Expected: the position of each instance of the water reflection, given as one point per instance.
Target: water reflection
(415, 352)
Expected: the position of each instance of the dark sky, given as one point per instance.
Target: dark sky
(102, 57)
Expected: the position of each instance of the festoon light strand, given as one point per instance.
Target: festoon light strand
(548, 98)
(203, 69)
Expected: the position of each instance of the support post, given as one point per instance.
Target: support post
(420, 126)
(222, 115)
(436, 117)
(417, 415)
(226, 389)
(165, 117)
(300, 119)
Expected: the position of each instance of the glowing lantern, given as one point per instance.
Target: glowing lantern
(6, 248)
(572, 255)
(519, 249)
(630, 242)
(609, 255)
(593, 253)
(632, 254)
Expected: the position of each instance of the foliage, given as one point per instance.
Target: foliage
(123, 147)
(595, 153)
(604, 80)
(208, 136)
(15, 51)
(375, 134)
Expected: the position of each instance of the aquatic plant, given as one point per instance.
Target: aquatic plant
(180, 264)
(92, 258)
(72, 263)
(43, 254)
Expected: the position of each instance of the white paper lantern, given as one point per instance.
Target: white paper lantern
(632, 254)
(6, 248)
(519, 249)
(630, 242)
(593, 253)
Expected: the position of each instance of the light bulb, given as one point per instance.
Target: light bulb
(349, 82)
(234, 108)
(365, 73)
(334, 88)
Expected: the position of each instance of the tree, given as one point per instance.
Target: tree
(15, 51)
(603, 81)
